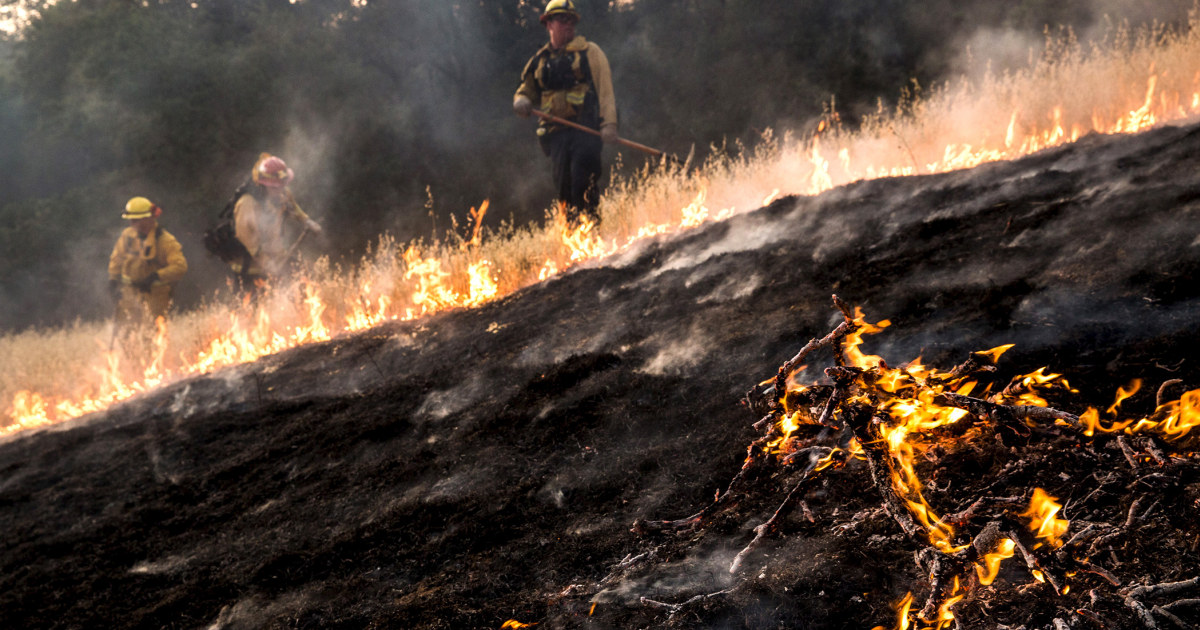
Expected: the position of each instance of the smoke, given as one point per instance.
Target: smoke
(256, 612)
(703, 571)
(165, 566)
(994, 49)
(676, 355)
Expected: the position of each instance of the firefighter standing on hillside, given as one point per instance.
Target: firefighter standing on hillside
(144, 266)
(261, 217)
(570, 78)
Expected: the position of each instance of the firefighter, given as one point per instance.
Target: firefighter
(261, 219)
(144, 267)
(569, 78)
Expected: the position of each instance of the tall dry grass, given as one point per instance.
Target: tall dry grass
(1128, 81)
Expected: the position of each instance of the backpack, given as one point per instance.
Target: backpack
(221, 239)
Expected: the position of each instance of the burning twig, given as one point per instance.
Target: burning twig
(1005, 414)
(1035, 566)
(891, 417)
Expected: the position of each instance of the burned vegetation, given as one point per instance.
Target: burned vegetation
(585, 453)
(946, 466)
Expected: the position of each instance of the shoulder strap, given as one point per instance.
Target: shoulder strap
(531, 66)
(583, 69)
(243, 189)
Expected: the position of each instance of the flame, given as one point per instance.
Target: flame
(483, 286)
(1173, 419)
(1178, 417)
(1043, 521)
(903, 608)
(513, 624)
(904, 400)
(989, 567)
(1153, 83)
(1123, 393)
(477, 230)
(945, 617)
(994, 353)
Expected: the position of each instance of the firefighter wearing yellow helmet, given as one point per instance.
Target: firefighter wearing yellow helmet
(269, 223)
(570, 78)
(145, 265)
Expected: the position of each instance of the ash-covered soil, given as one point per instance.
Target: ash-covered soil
(488, 464)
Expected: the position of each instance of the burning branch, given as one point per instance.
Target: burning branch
(865, 410)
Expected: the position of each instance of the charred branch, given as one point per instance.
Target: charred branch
(1035, 566)
(972, 511)
(1010, 415)
(674, 609)
(1169, 616)
(866, 429)
(755, 454)
(1169, 589)
(1131, 455)
(1161, 397)
(772, 525)
(867, 403)
(975, 364)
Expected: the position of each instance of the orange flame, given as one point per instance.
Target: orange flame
(903, 608)
(1123, 393)
(989, 567)
(1043, 521)
(430, 285)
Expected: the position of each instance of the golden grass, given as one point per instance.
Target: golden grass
(1069, 90)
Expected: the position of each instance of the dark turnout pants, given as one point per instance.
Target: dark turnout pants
(575, 156)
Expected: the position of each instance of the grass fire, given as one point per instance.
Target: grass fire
(659, 420)
(1141, 79)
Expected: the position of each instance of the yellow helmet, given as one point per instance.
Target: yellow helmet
(559, 7)
(140, 208)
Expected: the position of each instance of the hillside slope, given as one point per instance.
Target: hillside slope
(487, 464)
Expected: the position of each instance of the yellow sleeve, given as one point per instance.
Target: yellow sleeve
(602, 79)
(294, 210)
(245, 225)
(171, 252)
(117, 259)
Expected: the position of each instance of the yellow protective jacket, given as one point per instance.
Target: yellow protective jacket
(592, 80)
(259, 225)
(134, 257)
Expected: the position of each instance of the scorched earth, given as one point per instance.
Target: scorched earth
(487, 465)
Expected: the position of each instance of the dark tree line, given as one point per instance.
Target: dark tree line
(396, 113)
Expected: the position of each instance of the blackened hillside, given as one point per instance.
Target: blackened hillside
(486, 465)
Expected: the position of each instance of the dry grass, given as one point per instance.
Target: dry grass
(1068, 91)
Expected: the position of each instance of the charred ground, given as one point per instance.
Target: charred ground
(487, 464)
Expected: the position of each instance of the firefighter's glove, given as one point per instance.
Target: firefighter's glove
(608, 133)
(522, 106)
(145, 283)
